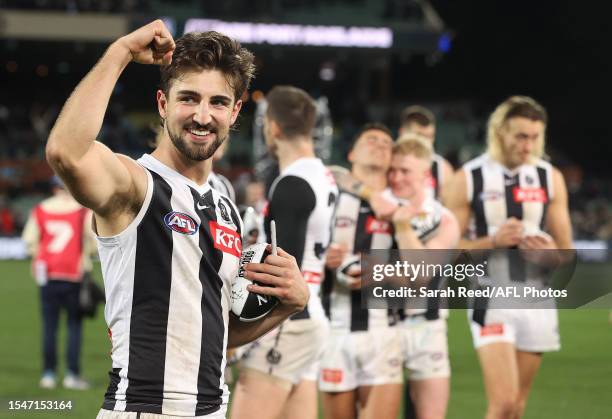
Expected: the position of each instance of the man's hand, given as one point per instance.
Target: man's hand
(383, 208)
(335, 255)
(404, 215)
(280, 277)
(540, 249)
(151, 44)
(509, 234)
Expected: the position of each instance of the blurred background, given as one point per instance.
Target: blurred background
(364, 61)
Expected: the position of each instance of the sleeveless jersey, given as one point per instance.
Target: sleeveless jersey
(356, 226)
(167, 279)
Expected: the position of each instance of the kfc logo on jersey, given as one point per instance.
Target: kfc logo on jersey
(530, 195)
(374, 225)
(181, 223)
(226, 239)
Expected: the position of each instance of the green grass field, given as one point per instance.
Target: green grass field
(573, 383)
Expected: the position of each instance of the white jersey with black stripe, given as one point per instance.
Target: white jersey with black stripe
(302, 201)
(496, 193)
(356, 227)
(167, 279)
(436, 178)
(426, 224)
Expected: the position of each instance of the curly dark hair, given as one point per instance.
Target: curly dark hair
(210, 51)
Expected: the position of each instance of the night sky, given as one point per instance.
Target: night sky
(555, 51)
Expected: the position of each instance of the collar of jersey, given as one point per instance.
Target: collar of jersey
(164, 170)
(300, 161)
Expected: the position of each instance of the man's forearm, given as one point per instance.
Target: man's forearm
(486, 242)
(81, 118)
(406, 237)
(241, 333)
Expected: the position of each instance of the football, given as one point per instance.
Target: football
(249, 306)
(349, 270)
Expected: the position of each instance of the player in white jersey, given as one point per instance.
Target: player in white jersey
(421, 222)
(278, 374)
(361, 367)
(169, 245)
(420, 120)
(511, 196)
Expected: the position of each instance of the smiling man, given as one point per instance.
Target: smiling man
(168, 243)
(511, 195)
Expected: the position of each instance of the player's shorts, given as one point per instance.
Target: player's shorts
(112, 414)
(312, 373)
(425, 348)
(529, 330)
(354, 359)
(290, 351)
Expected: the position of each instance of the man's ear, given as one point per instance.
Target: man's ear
(275, 129)
(235, 111)
(162, 102)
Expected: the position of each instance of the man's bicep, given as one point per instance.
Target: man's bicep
(558, 221)
(100, 178)
(457, 200)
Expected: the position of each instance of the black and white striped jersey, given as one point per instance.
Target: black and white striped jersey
(302, 201)
(496, 193)
(356, 226)
(222, 184)
(437, 176)
(167, 279)
(426, 224)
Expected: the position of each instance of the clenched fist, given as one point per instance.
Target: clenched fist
(150, 44)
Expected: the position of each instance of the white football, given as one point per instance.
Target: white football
(348, 270)
(249, 306)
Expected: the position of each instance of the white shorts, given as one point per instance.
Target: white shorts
(425, 348)
(289, 352)
(354, 359)
(113, 414)
(529, 330)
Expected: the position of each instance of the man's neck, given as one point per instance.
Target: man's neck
(197, 171)
(374, 177)
(288, 151)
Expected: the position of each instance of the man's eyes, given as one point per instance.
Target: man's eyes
(219, 102)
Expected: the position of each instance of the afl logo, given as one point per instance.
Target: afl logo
(181, 223)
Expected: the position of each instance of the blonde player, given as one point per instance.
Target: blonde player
(422, 223)
(511, 195)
